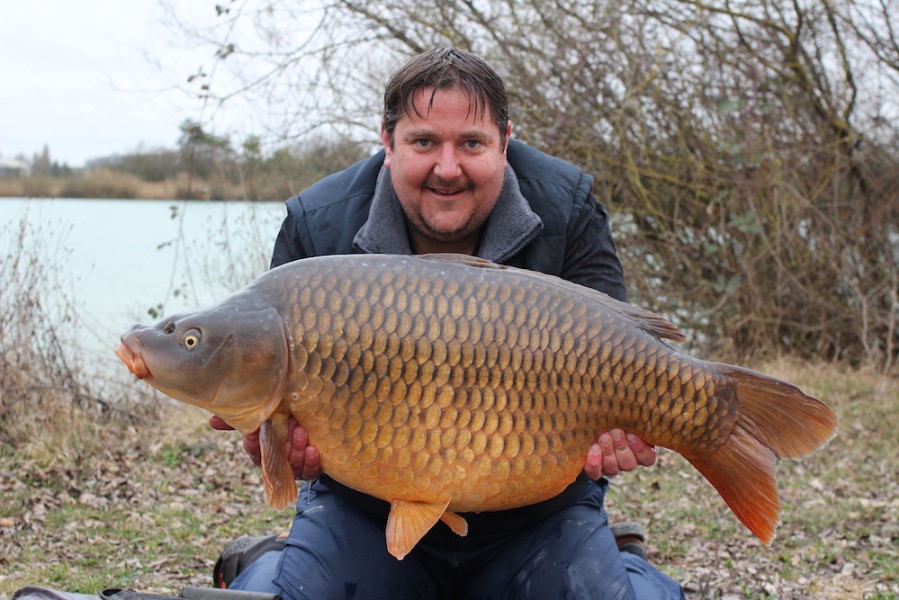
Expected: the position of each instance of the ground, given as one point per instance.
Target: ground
(148, 506)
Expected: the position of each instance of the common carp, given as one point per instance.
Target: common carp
(446, 384)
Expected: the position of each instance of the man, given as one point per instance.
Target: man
(450, 179)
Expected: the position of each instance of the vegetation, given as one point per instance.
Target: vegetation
(206, 167)
(150, 506)
(44, 396)
(747, 149)
(115, 504)
(839, 525)
(120, 488)
(146, 498)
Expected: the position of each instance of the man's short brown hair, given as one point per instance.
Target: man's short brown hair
(441, 69)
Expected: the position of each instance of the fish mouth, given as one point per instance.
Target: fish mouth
(133, 360)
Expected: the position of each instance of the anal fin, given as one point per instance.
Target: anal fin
(410, 521)
(456, 523)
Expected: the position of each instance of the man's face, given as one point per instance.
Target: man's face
(447, 169)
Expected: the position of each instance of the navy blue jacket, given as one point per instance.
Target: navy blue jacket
(560, 229)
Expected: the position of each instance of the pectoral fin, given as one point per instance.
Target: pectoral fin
(410, 521)
(277, 476)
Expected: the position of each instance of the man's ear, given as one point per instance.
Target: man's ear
(388, 145)
(508, 137)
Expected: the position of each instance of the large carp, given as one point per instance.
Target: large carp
(447, 384)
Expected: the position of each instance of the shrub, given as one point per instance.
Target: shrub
(102, 183)
(44, 389)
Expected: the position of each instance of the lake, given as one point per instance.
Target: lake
(123, 261)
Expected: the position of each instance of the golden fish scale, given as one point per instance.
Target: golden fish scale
(485, 391)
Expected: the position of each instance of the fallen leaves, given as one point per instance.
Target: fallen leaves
(149, 516)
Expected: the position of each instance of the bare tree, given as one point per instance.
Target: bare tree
(747, 147)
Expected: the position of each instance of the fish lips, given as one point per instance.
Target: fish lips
(132, 358)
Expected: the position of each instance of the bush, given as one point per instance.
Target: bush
(103, 183)
(44, 390)
(37, 187)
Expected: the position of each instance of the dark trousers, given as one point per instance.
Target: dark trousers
(560, 549)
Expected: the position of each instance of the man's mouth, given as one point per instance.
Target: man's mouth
(442, 192)
(443, 189)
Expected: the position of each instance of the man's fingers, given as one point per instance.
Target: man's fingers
(623, 453)
(216, 422)
(644, 453)
(593, 464)
(251, 447)
(610, 466)
(299, 442)
(312, 467)
(304, 459)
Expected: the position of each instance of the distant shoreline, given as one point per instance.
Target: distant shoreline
(105, 183)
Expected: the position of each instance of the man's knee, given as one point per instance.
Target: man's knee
(260, 575)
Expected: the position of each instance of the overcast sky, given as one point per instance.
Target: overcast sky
(91, 78)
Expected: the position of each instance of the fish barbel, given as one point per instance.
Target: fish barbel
(446, 384)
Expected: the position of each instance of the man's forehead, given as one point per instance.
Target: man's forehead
(423, 100)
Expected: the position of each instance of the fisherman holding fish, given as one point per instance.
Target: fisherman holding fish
(441, 322)
(451, 180)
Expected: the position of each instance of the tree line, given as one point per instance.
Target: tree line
(208, 165)
(204, 165)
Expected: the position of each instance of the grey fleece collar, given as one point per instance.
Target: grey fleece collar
(511, 226)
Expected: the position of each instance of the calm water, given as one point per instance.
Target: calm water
(117, 260)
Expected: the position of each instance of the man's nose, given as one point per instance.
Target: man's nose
(448, 166)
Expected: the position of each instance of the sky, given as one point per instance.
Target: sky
(92, 78)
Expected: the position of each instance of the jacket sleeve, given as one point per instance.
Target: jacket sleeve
(288, 246)
(590, 256)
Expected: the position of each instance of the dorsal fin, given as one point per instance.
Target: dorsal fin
(465, 260)
(648, 321)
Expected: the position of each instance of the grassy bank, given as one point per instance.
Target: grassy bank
(143, 507)
(95, 504)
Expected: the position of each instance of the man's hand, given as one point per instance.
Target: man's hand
(303, 458)
(612, 453)
(615, 452)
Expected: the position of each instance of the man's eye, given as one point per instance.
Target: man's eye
(423, 143)
(473, 144)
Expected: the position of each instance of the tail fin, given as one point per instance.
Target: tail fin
(777, 420)
(780, 416)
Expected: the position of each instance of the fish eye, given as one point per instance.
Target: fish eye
(191, 339)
